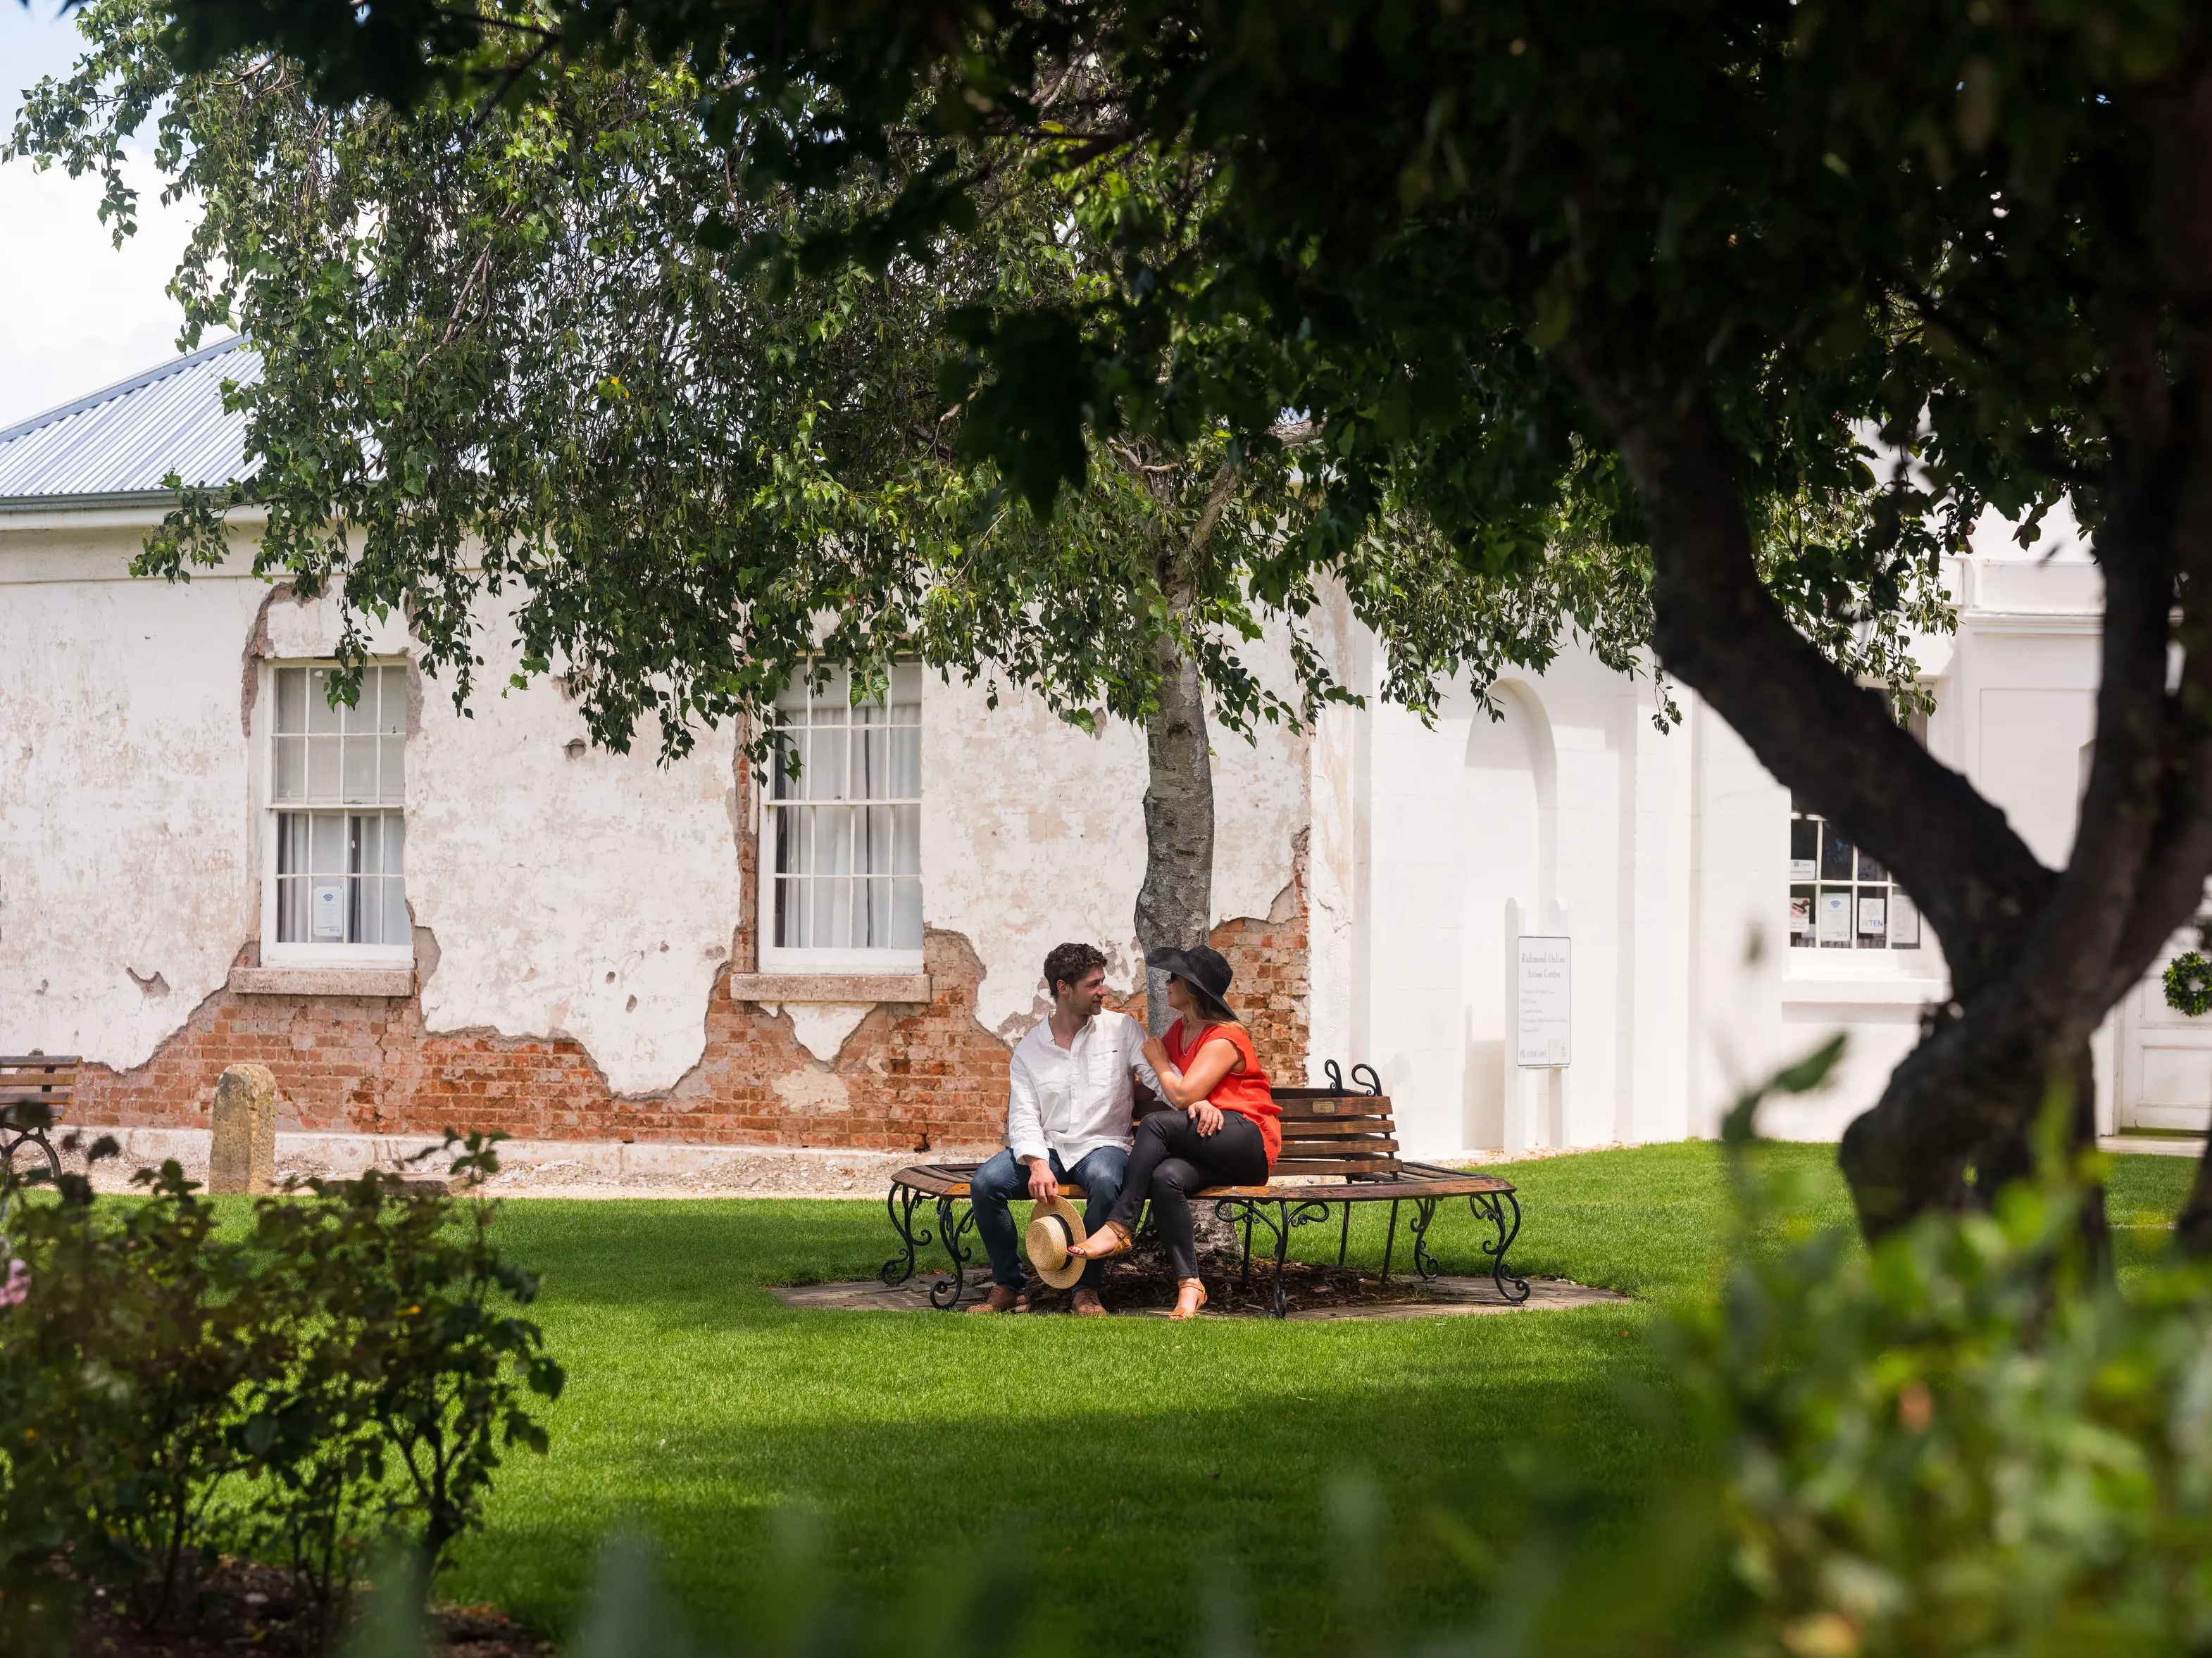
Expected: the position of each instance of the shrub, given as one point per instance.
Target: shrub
(349, 1365)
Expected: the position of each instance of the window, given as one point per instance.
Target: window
(844, 835)
(1841, 898)
(337, 784)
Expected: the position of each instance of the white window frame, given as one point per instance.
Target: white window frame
(1889, 959)
(274, 952)
(774, 958)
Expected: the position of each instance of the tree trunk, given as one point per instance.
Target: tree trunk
(1175, 906)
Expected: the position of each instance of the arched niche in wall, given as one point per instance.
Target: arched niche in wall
(1509, 843)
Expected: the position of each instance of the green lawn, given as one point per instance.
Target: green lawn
(1120, 1460)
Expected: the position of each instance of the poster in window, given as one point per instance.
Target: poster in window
(1874, 916)
(329, 913)
(1835, 916)
(1904, 922)
(1804, 850)
(1800, 918)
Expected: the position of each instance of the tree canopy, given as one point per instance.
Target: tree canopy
(1664, 267)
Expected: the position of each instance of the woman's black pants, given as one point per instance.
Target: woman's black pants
(1172, 1160)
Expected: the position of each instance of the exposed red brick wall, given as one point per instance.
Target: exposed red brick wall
(909, 1078)
(1267, 958)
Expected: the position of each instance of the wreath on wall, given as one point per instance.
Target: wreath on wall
(2189, 984)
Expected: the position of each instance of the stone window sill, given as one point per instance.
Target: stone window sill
(829, 986)
(393, 982)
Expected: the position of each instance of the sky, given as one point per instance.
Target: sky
(75, 314)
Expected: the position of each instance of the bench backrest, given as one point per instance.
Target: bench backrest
(1328, 1132)
(47, 1079)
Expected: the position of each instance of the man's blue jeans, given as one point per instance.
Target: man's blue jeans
(1006, 1178)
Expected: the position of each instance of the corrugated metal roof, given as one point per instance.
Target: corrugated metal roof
(122, 442)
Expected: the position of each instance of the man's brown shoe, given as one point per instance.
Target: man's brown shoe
(1001, 1300)
(1087, 1304)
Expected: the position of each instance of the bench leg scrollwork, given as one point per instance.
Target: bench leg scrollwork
(1503, 1211)
(1279, 1216)
(954, 1229)
(899, 1203)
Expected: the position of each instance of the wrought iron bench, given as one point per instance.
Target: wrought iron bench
(1339, 1148)
(46, 1083)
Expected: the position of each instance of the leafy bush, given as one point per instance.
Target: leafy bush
(349, 1365)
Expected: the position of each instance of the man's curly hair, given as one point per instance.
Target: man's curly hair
(1068, 963)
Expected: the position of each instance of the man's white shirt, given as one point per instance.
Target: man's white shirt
(1075, 1099)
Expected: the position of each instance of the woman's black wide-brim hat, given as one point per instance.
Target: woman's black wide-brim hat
(1203, 969)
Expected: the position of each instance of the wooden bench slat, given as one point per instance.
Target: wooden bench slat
(1334, 1131)
(39, 1061)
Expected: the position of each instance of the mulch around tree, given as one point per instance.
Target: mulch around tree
(240, 1607)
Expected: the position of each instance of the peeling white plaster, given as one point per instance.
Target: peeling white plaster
(124, 855)
(588, 894)
(1034, 834)
(823, 1026)
(812, 1092)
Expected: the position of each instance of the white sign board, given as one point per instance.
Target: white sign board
(1542, 997)
(328, 909)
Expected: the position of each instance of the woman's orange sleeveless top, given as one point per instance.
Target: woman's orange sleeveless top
(1245, 1092)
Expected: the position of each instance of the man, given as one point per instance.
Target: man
(1070, 1099)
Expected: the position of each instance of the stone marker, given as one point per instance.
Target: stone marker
(243, 1157)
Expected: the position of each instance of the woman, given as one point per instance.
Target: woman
(1224, 1130)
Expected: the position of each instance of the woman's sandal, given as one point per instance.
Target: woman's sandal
(1178, 1312)
(1089, 1249)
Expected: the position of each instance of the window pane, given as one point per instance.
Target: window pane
(1833, 919)
(398, 928)
(322, 767)
(1804, 849)
(395, 836)
(906, 846)
(1800, 918)
(322, 716)
(291, 842)
(291, 699)
(1873, 918)
(832, 839)
(906, 915)
(327, 847)
(825, 777)
(878, 934)
(291, 910)
(876, 853)
(1835, 855)
(905, 780)
(790, 913)
(906, 693)
(1904, 921)
(872, 758)
(831, 903)
(391, 703)
(1870, 868)
(290, 782)
(361, 716)
(360, 770)
(364, 844)
(391, 770)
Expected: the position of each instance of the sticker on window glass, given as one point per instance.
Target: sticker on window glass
(1904, 922)
(1800, 917)
(1874, 910)
(330, 913)
(1804, 850)
(1836, 916)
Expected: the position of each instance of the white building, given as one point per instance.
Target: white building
(418, 919)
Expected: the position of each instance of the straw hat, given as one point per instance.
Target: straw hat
(1055, 1229)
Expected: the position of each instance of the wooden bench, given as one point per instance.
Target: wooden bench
(1339, 1148)
(46, 1083)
